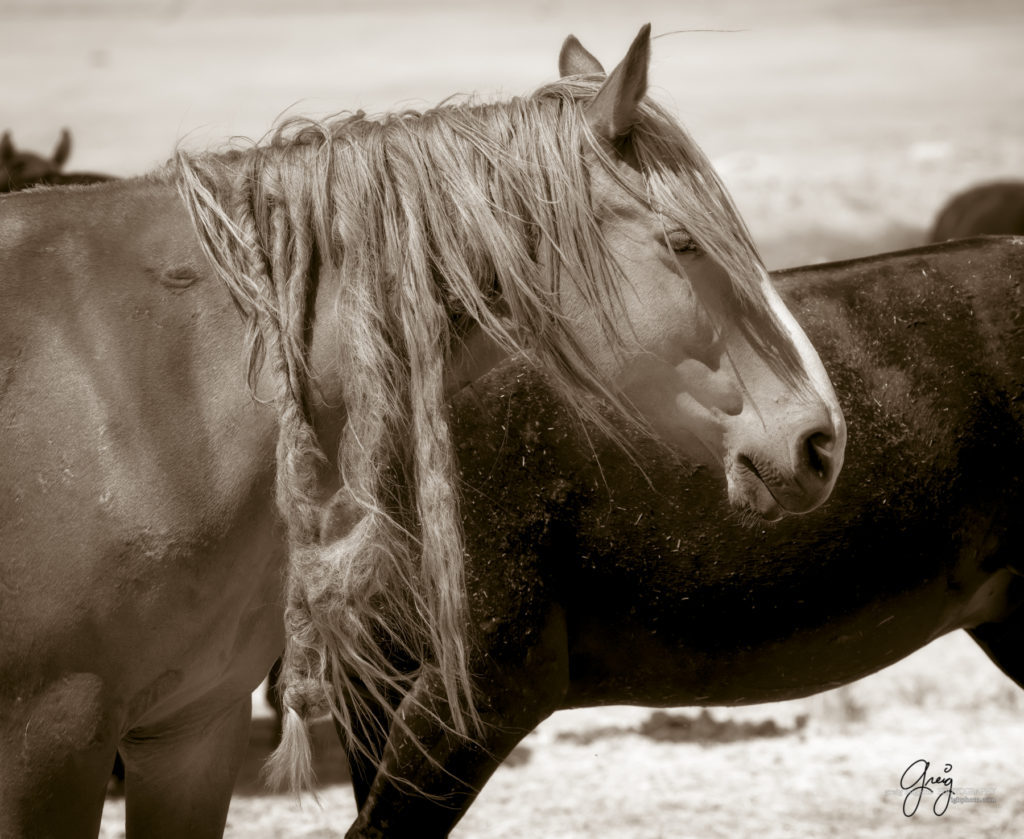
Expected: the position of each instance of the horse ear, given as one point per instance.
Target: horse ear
(575, 60)
(63, 150)
(6, 147)
(613, 112)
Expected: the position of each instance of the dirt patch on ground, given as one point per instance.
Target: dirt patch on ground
(829, 764)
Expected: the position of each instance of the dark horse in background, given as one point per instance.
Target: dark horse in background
(598, 589)
(996, 208)
(24, 169)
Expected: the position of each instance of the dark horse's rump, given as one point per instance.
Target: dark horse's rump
(989, 208)
(596, 589)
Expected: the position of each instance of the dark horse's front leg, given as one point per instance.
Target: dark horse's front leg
(372, 733)
(428, 777)
(1003, 640)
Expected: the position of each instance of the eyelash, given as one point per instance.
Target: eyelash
(681, 242)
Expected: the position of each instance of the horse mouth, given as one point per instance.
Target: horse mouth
(756, 491)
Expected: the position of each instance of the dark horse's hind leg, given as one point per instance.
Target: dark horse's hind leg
(1004, 640)
(429, 776)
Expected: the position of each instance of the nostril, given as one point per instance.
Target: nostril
(818, 450)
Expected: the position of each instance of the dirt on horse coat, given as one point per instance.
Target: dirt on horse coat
(178, 353)
(608, 582)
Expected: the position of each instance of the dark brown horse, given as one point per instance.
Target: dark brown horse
(597, 581)
(992, 208)
(24, 169)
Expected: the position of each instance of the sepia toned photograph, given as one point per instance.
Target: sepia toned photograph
(579, 420)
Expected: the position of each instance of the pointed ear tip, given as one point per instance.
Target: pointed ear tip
(574, 59)
(643, 34)
(642, 42)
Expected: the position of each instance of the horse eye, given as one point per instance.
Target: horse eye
(681, 242)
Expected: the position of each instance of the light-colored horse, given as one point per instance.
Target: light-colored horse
(153, 498)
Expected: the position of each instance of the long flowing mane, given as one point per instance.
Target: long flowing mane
(423, 223)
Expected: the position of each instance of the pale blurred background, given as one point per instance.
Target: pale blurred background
(840, 126)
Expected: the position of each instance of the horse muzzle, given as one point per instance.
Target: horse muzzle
(795, 480)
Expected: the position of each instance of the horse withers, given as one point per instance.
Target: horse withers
(614, 581)
(179, 353)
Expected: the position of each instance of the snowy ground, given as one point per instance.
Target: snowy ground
(840, 126)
